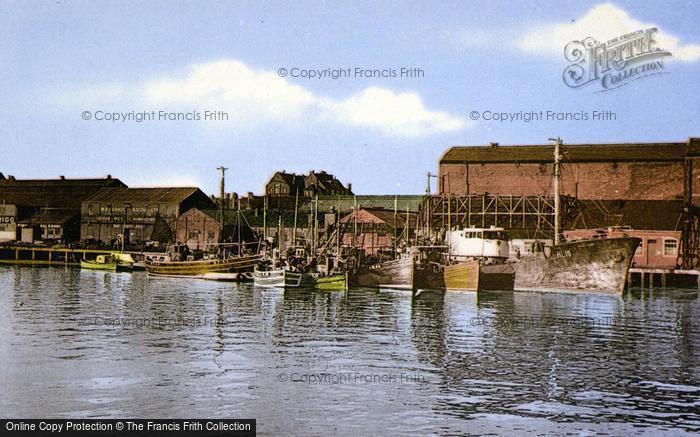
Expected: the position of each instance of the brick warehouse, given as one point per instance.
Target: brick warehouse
(656, 178)
(633, 171)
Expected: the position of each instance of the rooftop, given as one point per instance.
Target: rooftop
(144, 195)
(61, 193)
(544, 153)
(344, 203)
(380, 216)
(11, 181)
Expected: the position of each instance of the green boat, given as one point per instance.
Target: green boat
(102, 262)
(337, 282)
(123, 259)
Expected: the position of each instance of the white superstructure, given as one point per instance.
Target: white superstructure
(484, 243)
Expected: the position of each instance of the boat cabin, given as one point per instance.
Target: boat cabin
(474, 242)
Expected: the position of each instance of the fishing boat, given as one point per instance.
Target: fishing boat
(202, 267)
(125, 261)
(101, 262)
(598, 265)
(396, 274)
(281, 278)
(333, 282)
(465, 276)
(475, 260)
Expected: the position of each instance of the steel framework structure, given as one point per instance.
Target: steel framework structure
(534, 214)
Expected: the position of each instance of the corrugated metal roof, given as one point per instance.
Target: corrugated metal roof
(345, 203)
(93, 182)
(55, 193)
(51, 216)
(544, 153)
(381, 216)
(143, 195)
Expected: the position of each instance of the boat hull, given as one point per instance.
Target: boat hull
(465, 276)
(91, 265)
(390, 274)
(280, 278)
(332, 283)
(202, 267)
(587, 265)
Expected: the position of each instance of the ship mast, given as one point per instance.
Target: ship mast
(557, 200)
(221, 194)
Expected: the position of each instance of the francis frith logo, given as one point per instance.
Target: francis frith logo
(614, 63)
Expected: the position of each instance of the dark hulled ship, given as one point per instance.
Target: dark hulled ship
(598, 264)
(592, 265)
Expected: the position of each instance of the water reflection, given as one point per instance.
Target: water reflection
(93, 344)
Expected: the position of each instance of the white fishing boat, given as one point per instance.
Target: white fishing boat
(281, 278)
(488, 245)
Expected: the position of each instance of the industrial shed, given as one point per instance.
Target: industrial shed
(137, 211)
(45, 209)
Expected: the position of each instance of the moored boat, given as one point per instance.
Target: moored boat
(201, 267)
(125, 262)
(475, 261)
(333, 282)
(396, 273)
(101, 262)
(281, 278)
(599, 265)
(464, 276)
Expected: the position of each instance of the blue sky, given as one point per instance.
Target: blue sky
(61, 58)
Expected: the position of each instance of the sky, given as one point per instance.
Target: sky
(67, 66)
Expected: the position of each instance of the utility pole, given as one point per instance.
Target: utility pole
(557, 204)
(222, 193)
(427, 186)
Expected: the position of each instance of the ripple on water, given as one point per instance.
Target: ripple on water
(90, 344)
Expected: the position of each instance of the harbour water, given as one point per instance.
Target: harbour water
(83, 344)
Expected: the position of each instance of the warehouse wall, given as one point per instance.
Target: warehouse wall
(601, 181)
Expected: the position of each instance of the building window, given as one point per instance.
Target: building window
(670, 247)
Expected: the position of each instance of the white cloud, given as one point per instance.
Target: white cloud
(232, 86)
(394, 114)
(258, 97)
(603, 22)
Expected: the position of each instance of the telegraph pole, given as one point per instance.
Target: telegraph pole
(222, 193)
